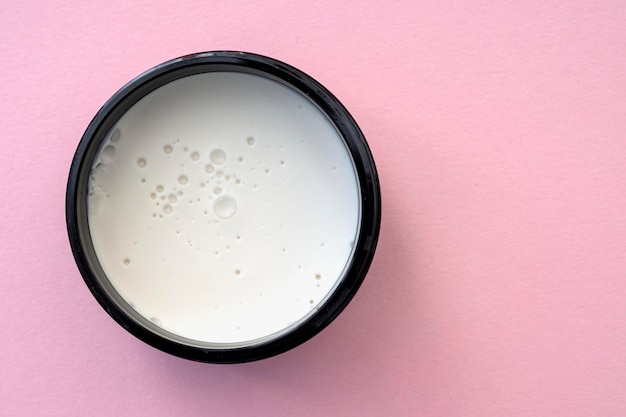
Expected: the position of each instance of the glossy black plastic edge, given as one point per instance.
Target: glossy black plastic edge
(142, 85)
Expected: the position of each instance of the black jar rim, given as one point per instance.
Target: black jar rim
(139, 87)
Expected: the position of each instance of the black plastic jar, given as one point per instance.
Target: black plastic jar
(85, 195)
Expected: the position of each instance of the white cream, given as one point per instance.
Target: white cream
(224, 207)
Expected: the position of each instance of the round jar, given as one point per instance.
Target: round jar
(223, 207)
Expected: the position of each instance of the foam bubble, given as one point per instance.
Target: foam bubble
(95, 200)
(108, 153)
(183, 179)
(209, 168)
(225, 206)
(195, 156)
(115, 136)
(126, 261)
(217, 190)
(101, 172)
(167, 149)
(250, 141)
(141, 163)
(173, 198)
(167, 209)
(155, 321)
(218, 156)
(160, 188)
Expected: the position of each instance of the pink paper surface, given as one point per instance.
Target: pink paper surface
(499, 285)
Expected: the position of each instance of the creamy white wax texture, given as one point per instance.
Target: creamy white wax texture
(223, 207)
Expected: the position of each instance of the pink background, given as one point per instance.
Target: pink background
(499, 286)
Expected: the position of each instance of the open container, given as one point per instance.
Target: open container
(223, 207)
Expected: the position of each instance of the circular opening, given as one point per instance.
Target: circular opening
(223, 207)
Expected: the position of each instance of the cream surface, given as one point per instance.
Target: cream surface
(223, 207)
